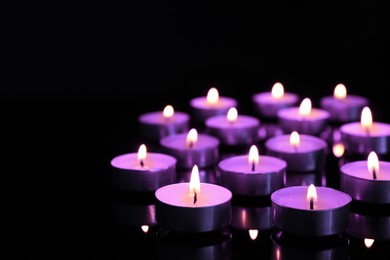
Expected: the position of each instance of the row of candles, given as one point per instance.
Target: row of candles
(195, 207)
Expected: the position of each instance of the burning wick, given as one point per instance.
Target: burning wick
(192, 137)
(305, 108)
(195, 197)
(295, 140)
(168, 113)
(232, 115)
(366, 119)
(253, 157)
(373, 164)
(311, 195)
(195, 182)
(142, 154)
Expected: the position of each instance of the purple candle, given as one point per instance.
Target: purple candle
(193, 207)
(143, 171)
(366, 136)
(211, 105)
(155, 125)
(302, 153)
(367, 181)
(342, 107)
(310, 211)
(192, 148)
(252, 175)
(267, 104)
(233, 129)
(304, 119)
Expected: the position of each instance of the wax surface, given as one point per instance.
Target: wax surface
(267, 98)
(242, 121)
(292, 113)
(307, 143)
(178, 141)
(295, 197)
(152, 162)
(355, 128)
(223, 102)
(347, 102)
(158, 118)
(178, 194)
(360, 170)
(240, 164)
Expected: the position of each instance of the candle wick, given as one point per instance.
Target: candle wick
(195, 197)
(142, 163)
(367, 131)
(311, 204)
(190, 144)
(374, 174)
(295, 147)
(253, 167)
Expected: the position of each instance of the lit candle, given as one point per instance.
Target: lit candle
(143, 171)
(310, 211)
(192, 148)
(233, 129)
(366, 136)
(304, 119)
(155, 125)
(193, 207)
(367, 181)
(302, 153)
(252, 174)
(267, 104)
(211, 105)
(342, 107)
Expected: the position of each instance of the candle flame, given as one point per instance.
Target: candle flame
(212, 96)
(253, 233)
(340, 91)
(368, 242)
(305, 107)
(142, 152)
(232, 115)
(311, 193)
(373, 163)
(195, 181)
(366, 118)
(338, 149)
(145, 228)
(253, 157)
(277, 90)
(168, 112)
(294, 138)
(192, 137)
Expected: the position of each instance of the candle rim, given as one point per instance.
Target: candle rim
(224, 102)
(251, 121)
(172, 161)
(322, 113)
(364, 164)
(145, 118)
(212, 141)
(302, 137)
(256, 172)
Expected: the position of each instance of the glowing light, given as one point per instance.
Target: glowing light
(366, 118)
(368, 242)
(232, 114)
(192, 137)
(142, 152)
(212, 96)
(338, 149)
(253, 233)
(168, 112)
(340, 91)
(253, 157)
(145, 228)
(373, 163)
(195, 181)
(311, 193)
(277, 90)
(294, 138)
(305, 107)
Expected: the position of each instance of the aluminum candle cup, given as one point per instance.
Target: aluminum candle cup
(312, 124)
(204, 152)
(267, 106)
(344, 110)
(240, 178)
(358, 182)
(154, 126)
(309, 155)
(243, 131)
(176, 210)
(291, 211)
(158, 170)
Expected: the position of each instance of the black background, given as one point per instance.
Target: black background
(76, 78)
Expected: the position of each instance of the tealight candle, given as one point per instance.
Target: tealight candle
(192, 148)
(304, 119)
(143, 171)
(211, 105)
(252, 175)
(310, 211)
(233, 129)
(342, 107)
(366, 136)
(155, 125)
(267, 104)
(367, 181)
(193, 207)
(302, 153)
